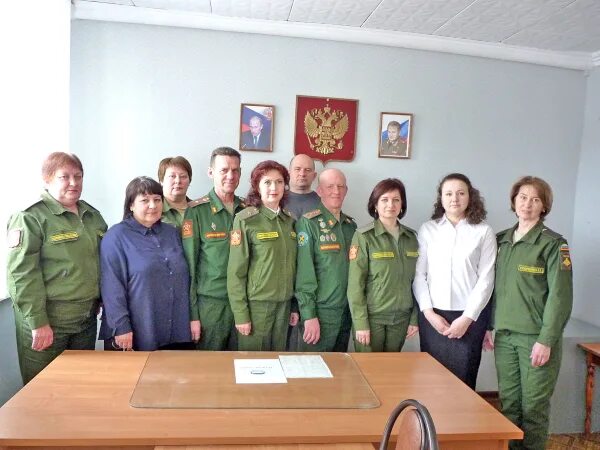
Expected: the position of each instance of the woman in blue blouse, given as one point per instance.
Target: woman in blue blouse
(144, 275)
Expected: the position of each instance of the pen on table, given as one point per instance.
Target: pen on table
(257, 372)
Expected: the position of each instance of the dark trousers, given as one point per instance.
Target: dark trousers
(460, 356)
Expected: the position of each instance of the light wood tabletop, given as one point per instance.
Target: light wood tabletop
(82, 399)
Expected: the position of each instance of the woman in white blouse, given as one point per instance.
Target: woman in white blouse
(455, 277)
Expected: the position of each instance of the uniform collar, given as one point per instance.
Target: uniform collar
(328, 215)
(57, 208)
(216, 205)
(380, 228)
(167, 206)
(156, 228)
(531, 237)
(269, 213)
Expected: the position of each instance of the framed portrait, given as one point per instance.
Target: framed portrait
(395, 135)
(256, 127)
(325, 128)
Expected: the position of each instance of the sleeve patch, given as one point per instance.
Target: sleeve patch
(187, 230)
(353, 253)
(235, 238)
(14, 238)
(302, 239)
(565, 258)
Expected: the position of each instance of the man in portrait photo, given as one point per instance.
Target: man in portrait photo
(394, 145)
(255, 139)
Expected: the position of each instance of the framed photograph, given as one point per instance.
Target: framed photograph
(325, 128)
(395, 135)
(256, 127)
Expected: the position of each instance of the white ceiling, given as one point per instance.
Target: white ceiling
(563, 33)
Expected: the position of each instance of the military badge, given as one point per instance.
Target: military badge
(333, 237)
(213, 209)
(329, 247)
(353, 253)
(321, 223)
(213, 226)
(302, 239)
(14, 238)
(322, 238)
(235, 238)
(565, 258)
(293, 234)
(330, 223)
(187, 230)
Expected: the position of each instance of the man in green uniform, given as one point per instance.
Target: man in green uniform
(205, 236)
(393, 145)
(53, 268)
(324, 237)
(533, 298)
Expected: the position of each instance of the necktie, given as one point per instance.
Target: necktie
(255, 140)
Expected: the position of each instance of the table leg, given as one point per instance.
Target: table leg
(589, 393)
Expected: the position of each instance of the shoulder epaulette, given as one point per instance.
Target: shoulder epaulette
(199, 201)
(502, 233)
(90, 206)
(31, 204)
(247, 213)
(349, 219)
(312, 214)
(552, 234)
(410, 229)
(242, 202)
(366, 228)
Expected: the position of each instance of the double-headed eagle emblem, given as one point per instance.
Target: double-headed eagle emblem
(325, 129)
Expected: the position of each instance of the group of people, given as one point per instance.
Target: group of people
(286, 268)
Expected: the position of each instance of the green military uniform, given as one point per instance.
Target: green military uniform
(380, 285)
(171, 215)
(322, 276)
(398, 149)
(53, 278)
(260, 275)
(205, 236)
(533, 298)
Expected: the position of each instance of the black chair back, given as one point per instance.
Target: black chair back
(425, 426)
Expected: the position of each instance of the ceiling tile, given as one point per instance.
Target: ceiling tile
(414, 16)
(253, 9)
(496, 20)
(334, 12)
(574, 28)
(175, 5)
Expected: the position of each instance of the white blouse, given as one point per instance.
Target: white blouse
(455, 269)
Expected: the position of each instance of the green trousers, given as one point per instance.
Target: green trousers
(335, 327)
(66, 337)
(270, 321)
(524, 390)
(384, 338)
(218, 328)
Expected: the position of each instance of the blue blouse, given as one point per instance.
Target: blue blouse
(145, 284)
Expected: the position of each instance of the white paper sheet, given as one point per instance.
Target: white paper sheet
(258, 371)
(304, 366)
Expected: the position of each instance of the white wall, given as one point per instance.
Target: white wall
(586, 237)
(140, 93)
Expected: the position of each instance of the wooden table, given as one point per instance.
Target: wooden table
(592, 356)
(82, 399)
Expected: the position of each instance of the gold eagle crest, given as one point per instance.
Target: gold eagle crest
(325, 129)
